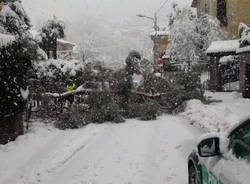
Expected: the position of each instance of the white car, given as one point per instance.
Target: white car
(222, 159)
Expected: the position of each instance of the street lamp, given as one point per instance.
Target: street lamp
(156, 27)
(154, 19)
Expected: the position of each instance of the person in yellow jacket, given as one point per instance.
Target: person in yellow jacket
(70, 86)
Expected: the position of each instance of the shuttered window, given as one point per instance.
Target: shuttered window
(222, 12)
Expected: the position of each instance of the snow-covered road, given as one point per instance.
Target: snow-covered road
(134, 152)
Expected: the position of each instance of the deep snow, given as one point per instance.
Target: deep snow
(226, 111)
(134, 152)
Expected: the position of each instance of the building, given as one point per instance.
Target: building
(160, 39)
(239, 51)
(65, 49)
(230, 13)
(223, 62)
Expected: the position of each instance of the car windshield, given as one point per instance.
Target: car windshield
(240, 141)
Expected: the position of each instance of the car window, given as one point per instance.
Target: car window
(240, 141)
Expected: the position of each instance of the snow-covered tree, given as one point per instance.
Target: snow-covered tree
(13, 19)
(190, 36)
(50, 31)
(17, 52)
(244, 34)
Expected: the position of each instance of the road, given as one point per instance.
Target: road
(135, 152)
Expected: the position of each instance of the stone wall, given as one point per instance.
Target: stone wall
(10, 128)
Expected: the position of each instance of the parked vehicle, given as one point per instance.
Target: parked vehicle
(222, 158)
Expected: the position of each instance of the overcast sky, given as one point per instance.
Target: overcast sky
(111, 26)
(109, 9)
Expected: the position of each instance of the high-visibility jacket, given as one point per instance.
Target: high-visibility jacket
(70, 87)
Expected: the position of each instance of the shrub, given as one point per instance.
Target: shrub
(148, 110)
(73, 118)
(103, 107)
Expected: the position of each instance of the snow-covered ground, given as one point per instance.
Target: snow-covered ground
(134, 152)
(229, 110)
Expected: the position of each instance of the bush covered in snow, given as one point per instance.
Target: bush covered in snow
(53, 68)
(17, 52)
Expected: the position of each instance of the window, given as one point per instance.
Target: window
(240, 141)
(222, 12)
(206, 8)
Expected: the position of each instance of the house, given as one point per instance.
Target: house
(160, 39)
(230, 13)
(223, 64)
(65, 49)
(240, 50)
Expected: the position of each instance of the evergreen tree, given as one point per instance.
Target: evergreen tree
(17, 52)
(13, 18)
(50, 32)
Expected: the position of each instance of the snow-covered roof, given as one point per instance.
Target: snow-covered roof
(6, 39)
(160, 33)
(62, 41)
(223, 46)
(243, 49)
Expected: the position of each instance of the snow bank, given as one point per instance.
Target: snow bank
(134, 152)
(218, 116)
(41, 151)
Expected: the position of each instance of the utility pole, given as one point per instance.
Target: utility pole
(155, 18)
